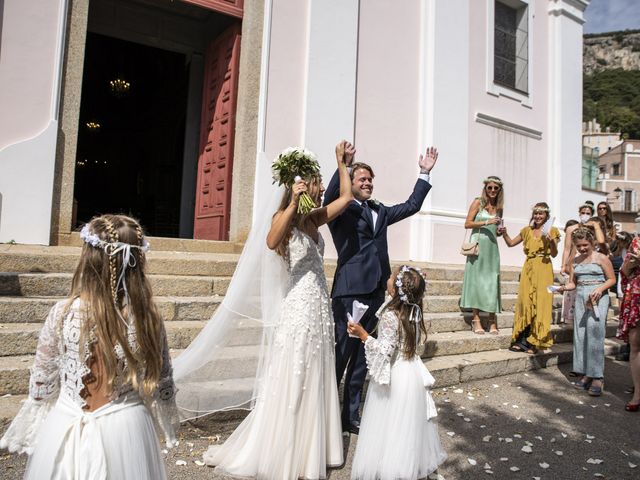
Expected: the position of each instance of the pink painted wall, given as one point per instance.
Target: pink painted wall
(387, 110)
(520, 161)
(286, 81)
(27, 67)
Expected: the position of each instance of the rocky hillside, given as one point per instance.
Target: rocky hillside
(608, 51)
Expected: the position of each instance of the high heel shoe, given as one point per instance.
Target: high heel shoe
(632, 407)
(476, 327)
(596, 391)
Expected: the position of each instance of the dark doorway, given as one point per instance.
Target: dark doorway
(131, 135)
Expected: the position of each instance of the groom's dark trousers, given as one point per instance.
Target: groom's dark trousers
(362, 273)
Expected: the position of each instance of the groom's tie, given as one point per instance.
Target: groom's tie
(367, 213)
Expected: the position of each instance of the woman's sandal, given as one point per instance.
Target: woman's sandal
(632, 407)
(595, 391)
(579, 384)
(516, 347)
(476, 327)
(531, 350)
(493, 330)
(629, 390)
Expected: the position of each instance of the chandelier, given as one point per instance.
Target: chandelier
(119, 87)
(93, 126)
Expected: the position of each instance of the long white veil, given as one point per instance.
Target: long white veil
(224, 365)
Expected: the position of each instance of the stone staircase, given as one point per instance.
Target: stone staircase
(189, 286)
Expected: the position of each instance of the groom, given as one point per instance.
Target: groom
(360, 237)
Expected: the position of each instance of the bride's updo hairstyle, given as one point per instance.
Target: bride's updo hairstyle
(406, 303)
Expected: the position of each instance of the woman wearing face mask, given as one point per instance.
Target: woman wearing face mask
(532, 323)
(585, 213)
(481, 285)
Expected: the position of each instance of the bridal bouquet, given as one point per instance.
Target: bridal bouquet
(290, 166)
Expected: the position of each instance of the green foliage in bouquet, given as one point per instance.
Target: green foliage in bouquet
(296, 162)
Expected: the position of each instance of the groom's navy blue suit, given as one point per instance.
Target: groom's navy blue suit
(362, 273)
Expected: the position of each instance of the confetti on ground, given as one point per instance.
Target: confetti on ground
(451, 434)
(517, 435)
(544, 465)
(558, 410)
(181, 463)
(595, 461)
(553, 440)
(487, 466)
(200, 463)
(435, 476)
(538, 437)
(458, 390)
(514, 469)
(508, 440)
(495, 386)
(504, 459)
(486, 438)
(527, 449)
(590, 437)
(580, 416)
(471, 461)
(559, 453)
(564, 435)
(466, 419)
(632, 465)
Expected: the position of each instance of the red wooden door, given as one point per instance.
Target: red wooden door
(230, 7)
(217, 128)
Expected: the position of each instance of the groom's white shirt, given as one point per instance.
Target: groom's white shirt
(374, 213)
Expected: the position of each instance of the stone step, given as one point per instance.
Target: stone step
(450, 303)
(61, 259)
(59, 285)
(448, 371)
(35, 310)
(22, 338)
(241, 361)
(169, 244)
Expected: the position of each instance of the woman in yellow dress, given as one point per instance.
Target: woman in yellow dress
(532, 323)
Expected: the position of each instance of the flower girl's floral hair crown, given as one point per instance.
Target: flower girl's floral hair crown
(416, 311)
(112, 247)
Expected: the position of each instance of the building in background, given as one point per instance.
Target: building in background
(173, 110)
(594, 137)
(620, 179)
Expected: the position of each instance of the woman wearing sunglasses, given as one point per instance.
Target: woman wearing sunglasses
(481, 285)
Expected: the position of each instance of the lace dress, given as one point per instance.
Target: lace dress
(294, 429)
(398, 435)
(117, 440)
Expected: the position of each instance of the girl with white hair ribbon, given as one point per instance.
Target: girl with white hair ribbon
(102, 379)
(398, 434)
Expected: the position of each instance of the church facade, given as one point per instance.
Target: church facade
(172, 111)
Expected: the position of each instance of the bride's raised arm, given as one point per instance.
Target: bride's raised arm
(283, 218)
(344, 154)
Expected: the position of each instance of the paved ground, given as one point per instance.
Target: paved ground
(484, 427)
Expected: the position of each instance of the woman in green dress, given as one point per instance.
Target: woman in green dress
(481, 285)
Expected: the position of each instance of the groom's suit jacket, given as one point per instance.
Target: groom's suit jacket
(363, 256)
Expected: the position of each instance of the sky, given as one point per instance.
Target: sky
(612, 15)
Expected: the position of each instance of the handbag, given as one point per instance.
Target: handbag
(469, 248)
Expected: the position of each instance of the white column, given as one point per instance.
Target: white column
(564, 160)
(331, 78)
(444, 119)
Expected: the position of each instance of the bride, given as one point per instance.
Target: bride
(294, 429)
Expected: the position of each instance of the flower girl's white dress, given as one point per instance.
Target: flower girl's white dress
(116, 441)
(294, 429)
(398, 437)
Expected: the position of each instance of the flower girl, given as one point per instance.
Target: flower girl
(398, 437)
(102, 372)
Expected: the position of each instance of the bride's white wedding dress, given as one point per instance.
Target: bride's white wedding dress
(294, 429)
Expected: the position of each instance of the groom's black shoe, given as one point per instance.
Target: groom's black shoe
(352, 427)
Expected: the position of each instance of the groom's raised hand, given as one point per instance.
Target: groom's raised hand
(349, 153)
(428, 160)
